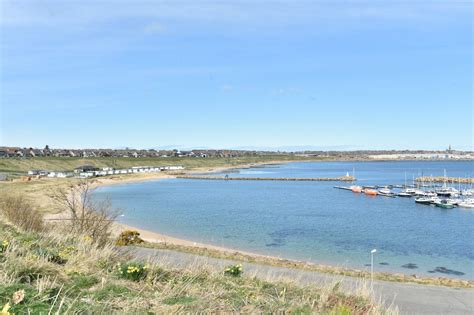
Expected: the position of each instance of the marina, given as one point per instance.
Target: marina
(445, 197)
(313, 221)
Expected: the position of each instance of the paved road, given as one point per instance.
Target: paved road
(409, 298)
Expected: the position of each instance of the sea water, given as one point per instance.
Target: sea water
(312, 221)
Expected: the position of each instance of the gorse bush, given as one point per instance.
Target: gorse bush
(134, 271)
(21, 213)
(129, 237)
(234, 271)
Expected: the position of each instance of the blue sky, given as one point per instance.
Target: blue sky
(232, 74)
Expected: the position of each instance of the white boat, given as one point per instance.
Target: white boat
(418, 192)
(430, 194)
(467, 203)
(467, 192)
(427, 200)
(447, 191)
(406, 194)
(385, 191)
(454, 201)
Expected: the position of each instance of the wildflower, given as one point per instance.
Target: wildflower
(87, 238)
(4, 246)
(5, 309)
(18, 296)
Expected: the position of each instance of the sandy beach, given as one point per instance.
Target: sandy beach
(154, 237)
(185, 245)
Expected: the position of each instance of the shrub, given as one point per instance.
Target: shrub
(87, 216)
(128, 237)
(21, 213)
(234, 271)
(132, 271)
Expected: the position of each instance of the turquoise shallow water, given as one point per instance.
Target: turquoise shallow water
(311, 220)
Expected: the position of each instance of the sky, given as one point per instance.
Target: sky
(344, 75)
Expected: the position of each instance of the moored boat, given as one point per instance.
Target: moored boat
(370, 192)
(408, 193)
(445, 204)
(467, 203)
(426, 200)
(386, 191)
(356, 189)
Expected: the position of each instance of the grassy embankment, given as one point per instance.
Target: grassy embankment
(301, 265)
(17, 166)
(49, 269)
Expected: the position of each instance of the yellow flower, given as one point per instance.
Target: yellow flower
(5, 243)
(5, 310)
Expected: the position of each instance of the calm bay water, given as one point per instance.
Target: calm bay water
(311, 220)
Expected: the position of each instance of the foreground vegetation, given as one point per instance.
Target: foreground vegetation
(301, 265)
(60, 268)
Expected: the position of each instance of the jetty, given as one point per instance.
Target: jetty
(289, 179)
(445, 179)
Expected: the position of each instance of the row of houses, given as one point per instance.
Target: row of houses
(88, 171)
(16, 152)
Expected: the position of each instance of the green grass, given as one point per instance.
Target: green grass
(18, 166)
(83, 285)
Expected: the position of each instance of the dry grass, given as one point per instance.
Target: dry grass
(19, 211)
(84, 279)
(300, 265)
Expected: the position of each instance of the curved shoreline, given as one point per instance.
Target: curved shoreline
(158, 240)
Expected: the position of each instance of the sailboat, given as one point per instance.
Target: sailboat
(407, 192)
(447, 191)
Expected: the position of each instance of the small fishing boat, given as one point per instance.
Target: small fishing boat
(445, 204)
(385, 191)
(425, 200)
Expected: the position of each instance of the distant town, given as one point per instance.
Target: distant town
(17, 152)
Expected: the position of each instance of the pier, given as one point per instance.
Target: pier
(444, 179)
(289, 179)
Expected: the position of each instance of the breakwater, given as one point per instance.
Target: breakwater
(442, 179)
(289, 179)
